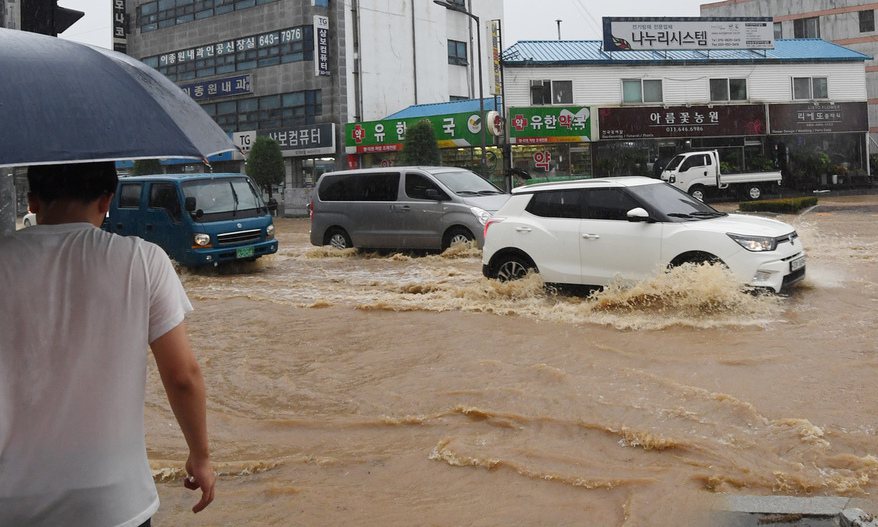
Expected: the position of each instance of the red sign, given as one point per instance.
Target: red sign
(682, 121)
(543, 160)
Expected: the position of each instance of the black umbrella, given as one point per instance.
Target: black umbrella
(61, 102)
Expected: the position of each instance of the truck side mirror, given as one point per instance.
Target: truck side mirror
(190, 204)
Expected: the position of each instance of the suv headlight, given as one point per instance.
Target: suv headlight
(755, 243)
(202, 240)
(269, 231)
(481, 214)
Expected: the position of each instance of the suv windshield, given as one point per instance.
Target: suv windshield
(466, 183)
(674, 163)
(224, 198)
(673, 203)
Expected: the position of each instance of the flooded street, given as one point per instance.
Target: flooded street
(366, 389)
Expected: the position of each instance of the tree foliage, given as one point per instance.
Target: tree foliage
(420, 146)
(145, 167)
(265, 163)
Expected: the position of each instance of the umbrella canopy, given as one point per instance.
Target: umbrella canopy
(64, 102)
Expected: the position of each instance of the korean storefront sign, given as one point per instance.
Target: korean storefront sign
(698, 33)
(120, 35)
(306, 140)
(549, 124)
(237, 85)
(818, 118)
(321, 45)
(453, 130)
(681, 121)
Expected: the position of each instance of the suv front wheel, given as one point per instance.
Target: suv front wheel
(512, 267)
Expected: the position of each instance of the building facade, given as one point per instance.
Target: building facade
(577, 110)
(849, 23)
(300, 70)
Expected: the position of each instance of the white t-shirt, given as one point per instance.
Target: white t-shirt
(79, 309)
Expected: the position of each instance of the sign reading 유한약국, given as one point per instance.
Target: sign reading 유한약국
(226, 87)
(701, 33)
(459, 129)
(549, 124)
(682, 121)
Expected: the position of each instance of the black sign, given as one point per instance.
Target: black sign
(120, 33)
(818, 118)
(718, 120)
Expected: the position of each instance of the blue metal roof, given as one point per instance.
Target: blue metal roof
(443, 108)
(560, 52)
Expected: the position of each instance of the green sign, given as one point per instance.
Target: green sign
(549, 124)
(454, 130)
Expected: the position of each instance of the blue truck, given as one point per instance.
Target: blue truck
(198, 219)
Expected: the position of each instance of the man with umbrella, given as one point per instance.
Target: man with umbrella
(73, 372)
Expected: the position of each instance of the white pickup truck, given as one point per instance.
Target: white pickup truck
(698, 173)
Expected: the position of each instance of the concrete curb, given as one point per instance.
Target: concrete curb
(830, 511)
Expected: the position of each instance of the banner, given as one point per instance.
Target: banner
(549, 124)
(451, 130)
(698, 33)
(321, 46)
(225, 87)
(818, 118)
(645, 122)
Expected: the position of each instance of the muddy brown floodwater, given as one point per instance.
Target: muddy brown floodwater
(396, 390)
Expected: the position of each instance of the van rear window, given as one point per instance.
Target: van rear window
(359, 187)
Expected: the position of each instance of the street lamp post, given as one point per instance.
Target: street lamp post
(454, 7)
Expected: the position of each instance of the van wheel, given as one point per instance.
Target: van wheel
(697, 192)
(338, 239)
(512, 267)
(455, 236)
(26, 222)
(754, 192)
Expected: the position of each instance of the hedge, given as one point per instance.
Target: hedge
(781, 206)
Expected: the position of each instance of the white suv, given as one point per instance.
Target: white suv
(592, 232)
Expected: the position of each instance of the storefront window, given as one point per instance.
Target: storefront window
(552, 162)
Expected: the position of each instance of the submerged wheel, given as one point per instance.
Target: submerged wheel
(338, 239)
(754, 192)
(27, 222)
(455, 236)
(697, 192)
(512, 267)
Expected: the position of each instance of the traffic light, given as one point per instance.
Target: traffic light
(44, 16)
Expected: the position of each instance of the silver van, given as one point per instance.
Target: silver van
(402, 208)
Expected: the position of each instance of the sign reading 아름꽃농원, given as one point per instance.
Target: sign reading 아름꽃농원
(549, 124)
(646, 122)
(453, 130)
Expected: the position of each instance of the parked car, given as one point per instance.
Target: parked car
(699, 174)
(592, 232)
(30, 219)
(198, 219)
(402, 208)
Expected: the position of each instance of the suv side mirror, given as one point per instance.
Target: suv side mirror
(189, 204)
(638, 214)
(432, 193)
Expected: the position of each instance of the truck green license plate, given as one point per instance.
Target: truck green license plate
(244, 252)
(797, 264)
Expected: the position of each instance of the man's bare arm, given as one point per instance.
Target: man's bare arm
(184, 386)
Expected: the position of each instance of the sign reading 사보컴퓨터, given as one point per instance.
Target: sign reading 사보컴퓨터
(460, 129)
(549, 124)
(690, 33)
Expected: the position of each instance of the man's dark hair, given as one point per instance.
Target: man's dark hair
(83, 182)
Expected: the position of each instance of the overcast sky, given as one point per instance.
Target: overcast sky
(524, 19)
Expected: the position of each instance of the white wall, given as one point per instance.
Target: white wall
(389, 72)
(766, 83)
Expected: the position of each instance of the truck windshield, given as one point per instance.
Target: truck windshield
(672, 203)
(466, 183)
(675, 162)
(224, 198)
